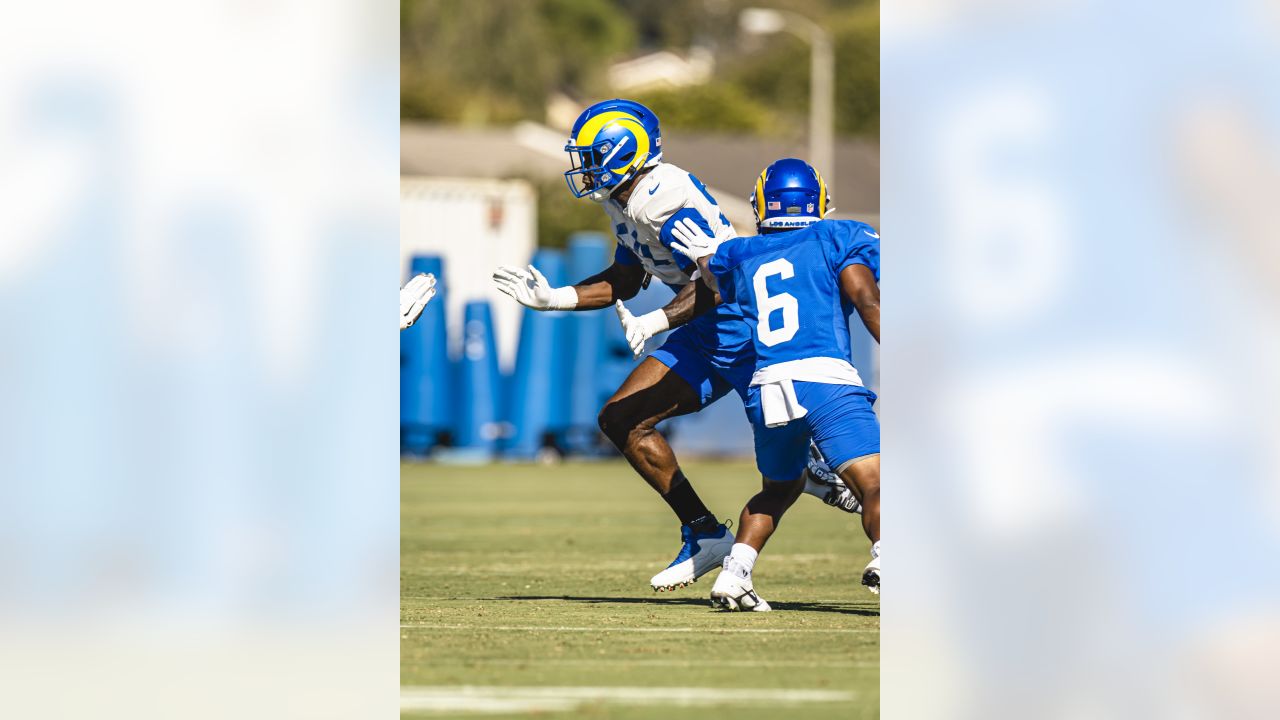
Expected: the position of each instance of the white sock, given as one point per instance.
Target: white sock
(744, 555)
(875, 549)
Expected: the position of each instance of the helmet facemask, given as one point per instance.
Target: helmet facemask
(594, 168)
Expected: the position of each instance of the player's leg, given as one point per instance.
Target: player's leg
(649, 395)
(763, 512)
(780, 453)
(862, 475)
(847, 432)
(734, 588)
(673, 381)
(823, 483)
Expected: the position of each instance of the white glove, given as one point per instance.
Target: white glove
(639, 329)
(694, 243)
(532, 290)
(414, 296)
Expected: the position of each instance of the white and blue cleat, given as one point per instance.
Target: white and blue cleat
(700, 553)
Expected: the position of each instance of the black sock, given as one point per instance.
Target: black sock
(684, 502)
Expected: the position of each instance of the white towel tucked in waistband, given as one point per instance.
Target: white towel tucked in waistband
(779, 404)
(778, 401)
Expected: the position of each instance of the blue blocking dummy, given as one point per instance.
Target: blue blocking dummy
(539, 397)
(425, 387)
(588, 254)
(481, 391)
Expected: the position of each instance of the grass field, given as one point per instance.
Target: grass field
(524, 593)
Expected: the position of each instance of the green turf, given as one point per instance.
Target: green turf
(488, 549)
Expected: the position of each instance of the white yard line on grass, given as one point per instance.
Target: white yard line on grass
(487, 699)
(594, 662)
(553, 628)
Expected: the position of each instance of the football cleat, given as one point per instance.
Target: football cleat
(825, 485)
(700, 553)
(871, 575)
(733, 589)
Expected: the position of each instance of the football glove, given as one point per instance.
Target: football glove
(639, 329)
(532, 290)
(414, 296)
(693, 242)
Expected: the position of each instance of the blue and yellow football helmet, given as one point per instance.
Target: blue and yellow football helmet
(608, 144)
(789, 194)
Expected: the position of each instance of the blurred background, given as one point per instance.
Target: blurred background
(488, 93)
(1082, 483)
(199, 495)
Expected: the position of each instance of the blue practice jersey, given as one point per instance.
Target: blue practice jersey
(787, 286)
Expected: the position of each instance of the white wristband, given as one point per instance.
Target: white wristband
(653, 322)
(563, 298)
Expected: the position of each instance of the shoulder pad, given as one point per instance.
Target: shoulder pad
(666, 190)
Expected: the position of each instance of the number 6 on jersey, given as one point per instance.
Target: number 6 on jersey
(767, 303)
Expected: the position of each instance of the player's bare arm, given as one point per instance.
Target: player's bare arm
(614, 283)
(859, 285)
(693, 300)
(708, 277)
(530, 288)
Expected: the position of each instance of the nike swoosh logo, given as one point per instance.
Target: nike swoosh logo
(654, 189)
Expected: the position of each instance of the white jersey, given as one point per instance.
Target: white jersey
(643, 228)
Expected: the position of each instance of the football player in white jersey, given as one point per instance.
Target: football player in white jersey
(616, 160)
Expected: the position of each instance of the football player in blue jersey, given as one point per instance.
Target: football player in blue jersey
(615, 151)
(796, 285)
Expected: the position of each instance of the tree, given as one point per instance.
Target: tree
(498, 60)
(716, 106)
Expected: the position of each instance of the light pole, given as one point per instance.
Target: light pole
(822, 85)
